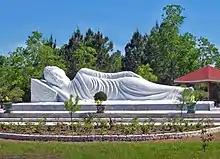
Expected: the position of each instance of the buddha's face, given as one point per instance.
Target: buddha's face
(56, 76)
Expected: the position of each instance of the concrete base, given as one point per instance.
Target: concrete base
(111, 105)
(117, 110)
(110, 114)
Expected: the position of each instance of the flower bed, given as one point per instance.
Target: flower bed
(103, 130)
(102, 127)
(91, 138)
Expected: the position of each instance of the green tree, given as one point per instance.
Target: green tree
(208, 53)
(186, 100)
(171, 54)
(85, 57)
(134, 52)
(10, 81)
(167, 39)
(3, 60)
(29, 62)
(115, 62)
(72, 106)
(50, 42)
(103, 47)
(95, 40)
(67, 52)
(146, 72)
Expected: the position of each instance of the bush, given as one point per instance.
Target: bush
(100, 96)
(15, 94)
(146, 72)
(72, 106)
(4, 99)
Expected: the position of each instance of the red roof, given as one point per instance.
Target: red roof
(205, 74)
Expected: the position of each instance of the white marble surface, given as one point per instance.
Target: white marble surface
(117, 102)
(124, 105)
(1, 111)
(110, 102)
(118, 112)
(118, 86)
(41, 91)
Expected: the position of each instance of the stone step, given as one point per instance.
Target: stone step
(111, 105)
(96, 119)
(112, 114)
(54, 123)
(215, 109)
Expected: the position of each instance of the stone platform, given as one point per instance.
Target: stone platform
(118, 116)
(112, 114)
(123, 112)
(111, 106)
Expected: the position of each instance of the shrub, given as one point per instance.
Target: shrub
(72, 106)
(206, 138)
(14, 94)
(4, 99)
(146, 72)
(100, 97)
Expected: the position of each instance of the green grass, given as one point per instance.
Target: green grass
(141, 150)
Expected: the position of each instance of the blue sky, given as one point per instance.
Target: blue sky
(117, 19)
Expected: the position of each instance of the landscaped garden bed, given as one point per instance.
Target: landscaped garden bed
(91, 126)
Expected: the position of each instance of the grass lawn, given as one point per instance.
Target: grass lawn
(140, 150)
(168, 149)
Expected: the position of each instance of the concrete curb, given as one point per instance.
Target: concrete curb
(92, 138)
(112, 114)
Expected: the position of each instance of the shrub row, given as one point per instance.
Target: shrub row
(89, 126)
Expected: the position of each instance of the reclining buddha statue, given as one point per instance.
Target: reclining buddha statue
(125, 85)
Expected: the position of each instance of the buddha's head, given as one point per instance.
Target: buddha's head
(56, 76)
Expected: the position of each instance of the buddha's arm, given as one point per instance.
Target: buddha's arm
(107, 75)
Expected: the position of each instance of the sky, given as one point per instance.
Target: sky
(117, 19)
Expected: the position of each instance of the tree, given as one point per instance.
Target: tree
(29, 62)
(10, 81)
(50, 42)
(67, 51)
(84, 57)
(3, 60)
(208, 53)
(91, 40)
(171, 54)
(165, 41)
(72, 106)
(189, 98)
(115, 62)
(134, 51)
(146, 72)
(103, 47)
